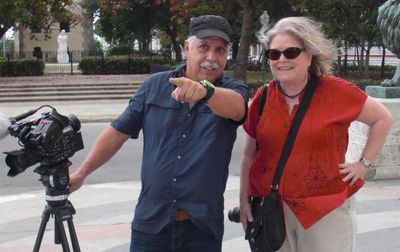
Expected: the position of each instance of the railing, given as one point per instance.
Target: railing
(52, 67)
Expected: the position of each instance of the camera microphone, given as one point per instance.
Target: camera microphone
(4, 124)
(23, 115)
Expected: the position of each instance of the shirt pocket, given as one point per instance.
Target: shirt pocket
(161, 111)
(211, 125)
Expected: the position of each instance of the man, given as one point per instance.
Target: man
(189, 118)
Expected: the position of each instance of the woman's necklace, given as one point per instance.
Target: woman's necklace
(289, 96)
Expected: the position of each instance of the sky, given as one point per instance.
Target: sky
(9, 33)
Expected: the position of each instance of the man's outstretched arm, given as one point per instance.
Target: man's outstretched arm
(106, 145)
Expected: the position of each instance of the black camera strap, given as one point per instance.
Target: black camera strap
(287, 147)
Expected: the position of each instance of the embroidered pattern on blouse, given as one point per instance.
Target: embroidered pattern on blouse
(297, 205)
(315, 178)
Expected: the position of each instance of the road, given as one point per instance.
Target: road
(124, 166)
(105, 205)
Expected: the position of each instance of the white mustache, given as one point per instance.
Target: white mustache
(209, 65)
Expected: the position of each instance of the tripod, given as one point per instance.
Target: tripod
(56, 180)
(61, 213)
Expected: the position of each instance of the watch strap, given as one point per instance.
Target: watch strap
(210, 89)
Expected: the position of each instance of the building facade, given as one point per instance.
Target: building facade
(80, 36)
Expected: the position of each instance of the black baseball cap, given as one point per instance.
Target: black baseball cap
(210, 26)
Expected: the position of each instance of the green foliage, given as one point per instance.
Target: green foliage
(349, 22)
(251, 66)
(8, 46)
(121, 22)
(388, 68)
(353, 21)
(121, 49)
(33, 14)
(363, 83)
(24, 67)
(122, 64)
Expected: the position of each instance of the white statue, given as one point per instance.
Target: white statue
(264, 18)
(62, 53)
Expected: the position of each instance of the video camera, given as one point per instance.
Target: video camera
(49, 139)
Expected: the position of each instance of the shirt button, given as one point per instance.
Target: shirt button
(179, 157)
(174, 179)
(183, 135)
(286, 126)
(174, 201)
(188, 115)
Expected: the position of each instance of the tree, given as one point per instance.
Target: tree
(245, 14)
(90, 11)
(366, 29)
(34, 14)
(350, 23)
(123, 21)
(249, 18)
(119, 19)
(175, 24)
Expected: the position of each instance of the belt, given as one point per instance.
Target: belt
(181, 215)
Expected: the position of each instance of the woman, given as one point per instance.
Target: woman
(317, 184)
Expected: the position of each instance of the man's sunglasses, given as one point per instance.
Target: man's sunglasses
(290, 53)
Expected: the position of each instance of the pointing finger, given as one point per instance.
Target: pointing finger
(177, 81)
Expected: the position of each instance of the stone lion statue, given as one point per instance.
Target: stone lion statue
(389, 25)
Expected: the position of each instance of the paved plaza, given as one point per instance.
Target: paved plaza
(104, 211)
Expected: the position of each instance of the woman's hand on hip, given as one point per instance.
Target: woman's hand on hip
(352, 171)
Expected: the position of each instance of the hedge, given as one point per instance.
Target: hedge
(22, 67)
(122, 64)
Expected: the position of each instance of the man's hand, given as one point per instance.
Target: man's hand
(187, 90)
(75, 182)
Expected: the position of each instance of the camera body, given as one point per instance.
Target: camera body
(50, 139)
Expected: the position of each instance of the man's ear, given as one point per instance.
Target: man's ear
(186, 47)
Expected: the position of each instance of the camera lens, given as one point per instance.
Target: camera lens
(19, 160)
(234, 215)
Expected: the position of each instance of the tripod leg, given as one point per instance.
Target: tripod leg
(74, 239)
(59, 234)
(43, 223)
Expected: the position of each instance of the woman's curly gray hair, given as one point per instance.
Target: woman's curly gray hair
(310, 34)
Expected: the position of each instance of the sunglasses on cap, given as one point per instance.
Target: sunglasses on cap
(290, 53)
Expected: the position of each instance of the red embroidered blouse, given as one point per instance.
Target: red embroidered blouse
(311, 183)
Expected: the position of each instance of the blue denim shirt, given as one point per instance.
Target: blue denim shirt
(186, 154)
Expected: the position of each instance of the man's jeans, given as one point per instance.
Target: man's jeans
(179, 236)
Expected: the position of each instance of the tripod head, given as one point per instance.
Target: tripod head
(56, 180)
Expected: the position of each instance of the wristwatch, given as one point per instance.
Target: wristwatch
(367, 163)
(210, 89)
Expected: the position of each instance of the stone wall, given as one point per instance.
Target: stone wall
(387, 166)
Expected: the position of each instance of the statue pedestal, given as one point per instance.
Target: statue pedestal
(387, 166)
(383, 92)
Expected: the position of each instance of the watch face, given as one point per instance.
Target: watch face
(210, 90)
(366, 162)
(207, 84)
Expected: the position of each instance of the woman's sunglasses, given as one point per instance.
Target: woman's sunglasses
(290, 53)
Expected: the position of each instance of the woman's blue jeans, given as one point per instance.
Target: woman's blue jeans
(179, 236)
